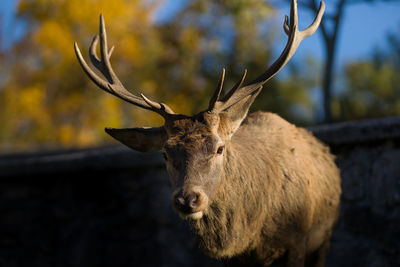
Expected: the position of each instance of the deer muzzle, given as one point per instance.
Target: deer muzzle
(190, 204)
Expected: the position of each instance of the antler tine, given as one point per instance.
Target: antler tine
(312, 28)
(112, 84)
(315, 24)
(94, 58)
(105, 57)
(217, 91)
(156, 105)
(294, 19)
(294, 39)
(286, 25)
(235, 87)
(93, 76)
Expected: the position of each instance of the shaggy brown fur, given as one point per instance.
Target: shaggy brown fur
(277, 194)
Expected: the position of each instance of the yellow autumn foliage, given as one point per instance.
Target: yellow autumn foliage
(46, 100)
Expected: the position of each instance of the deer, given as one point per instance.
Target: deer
(254, 188)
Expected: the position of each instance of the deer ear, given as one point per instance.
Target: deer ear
(236, 113)
(140, 139)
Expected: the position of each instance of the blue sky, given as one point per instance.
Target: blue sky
(364, 27)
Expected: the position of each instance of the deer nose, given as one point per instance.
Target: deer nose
(189, 202)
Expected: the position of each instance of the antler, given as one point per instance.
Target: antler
(112, 84)
(295, 37)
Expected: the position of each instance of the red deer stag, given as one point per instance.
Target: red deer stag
(255, 189)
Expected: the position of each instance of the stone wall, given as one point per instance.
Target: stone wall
(368, 155)
(111, 206)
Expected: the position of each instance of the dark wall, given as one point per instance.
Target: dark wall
(102, 207)
(111, 206)
(368, 233)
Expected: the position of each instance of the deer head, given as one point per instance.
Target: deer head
(194, 147)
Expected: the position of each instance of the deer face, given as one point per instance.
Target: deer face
(194, 149)
(194, 156)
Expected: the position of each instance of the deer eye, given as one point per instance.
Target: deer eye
(220, 150)
(165, 155)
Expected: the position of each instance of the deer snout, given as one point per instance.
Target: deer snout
(187, 204)
(190, 204)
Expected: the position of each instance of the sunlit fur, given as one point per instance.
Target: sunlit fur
(274, 191)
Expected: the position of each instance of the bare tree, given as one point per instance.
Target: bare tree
(330, 36)
(330, 43)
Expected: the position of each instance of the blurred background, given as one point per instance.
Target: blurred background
(62, 205)
(173, 51)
